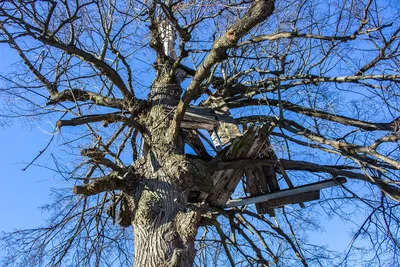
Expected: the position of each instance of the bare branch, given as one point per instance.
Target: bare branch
(102, 184)
(258, 12)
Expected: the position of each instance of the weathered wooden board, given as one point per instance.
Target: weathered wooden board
(254, 144)
(306, 197)
(246, 147)
(290, 194)
(264, 180)
(255, 185)
(271, 180)
(196, 118)
(270, 154)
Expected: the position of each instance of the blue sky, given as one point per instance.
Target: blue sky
(23, 192)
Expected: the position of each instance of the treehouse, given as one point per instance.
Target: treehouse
(240, 147)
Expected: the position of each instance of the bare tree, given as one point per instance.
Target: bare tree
(183, 106)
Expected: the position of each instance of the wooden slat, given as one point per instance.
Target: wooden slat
(193, 125)
(217, 118)
(264, 180)
(261, 178)
(268, 183)
(248, 146)
(221, 179)
(270, 153)
(286, 192)
(196, 118)
(279, 202)
(253, 188)
(270, 178)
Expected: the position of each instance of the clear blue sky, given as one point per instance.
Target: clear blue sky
(23, 192)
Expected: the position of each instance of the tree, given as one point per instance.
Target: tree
(181, 106)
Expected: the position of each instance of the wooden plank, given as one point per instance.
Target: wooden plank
(248, 146)
(279, 202)
(216, 141)
(216, 119)
(262, 180)
(253, 188)
(267, 179)
(270, 178)
(207, 114)
(197, 125)
(196, 118)
(222, 179)
(270, 153)
(286, 192)
(227, 131)
(287, 180)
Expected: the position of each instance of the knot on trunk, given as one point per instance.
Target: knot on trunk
(176, 260)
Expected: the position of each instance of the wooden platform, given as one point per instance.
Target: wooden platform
(260, 182)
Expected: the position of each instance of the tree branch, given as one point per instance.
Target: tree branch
(73, 95)
(106, 183)
(292, 165)
(98, 157)
(90, 58)
(49, 85)
(106, 118)
(295, 34)
(368, 126)
(258, 12)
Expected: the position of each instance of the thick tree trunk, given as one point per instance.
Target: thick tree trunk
(164, 232)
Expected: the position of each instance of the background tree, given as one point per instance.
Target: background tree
(181, 105)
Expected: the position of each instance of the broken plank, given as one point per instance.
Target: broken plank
(270, 177)
(255, 185)
(272, 155)
(286, 192)
(253, 188)
(236, 150)
(247, 146)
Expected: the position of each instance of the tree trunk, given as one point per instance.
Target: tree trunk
(164, 228)
(164, 232)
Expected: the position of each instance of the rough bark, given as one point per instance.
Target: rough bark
(164, 229)
(164, 232)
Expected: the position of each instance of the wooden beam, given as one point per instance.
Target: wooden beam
(295, 199)
(286, 192)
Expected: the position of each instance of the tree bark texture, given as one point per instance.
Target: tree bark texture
(164, 229)
(163, 232)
